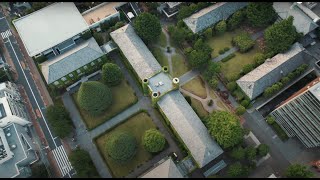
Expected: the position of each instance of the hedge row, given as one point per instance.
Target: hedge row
(222, 51)
(230, 56)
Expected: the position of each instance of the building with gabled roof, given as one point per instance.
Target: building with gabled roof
(209, 16)
(137, 53)
(71, 60)
(165, 168)
(271, 71)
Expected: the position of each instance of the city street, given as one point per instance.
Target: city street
(25, 79)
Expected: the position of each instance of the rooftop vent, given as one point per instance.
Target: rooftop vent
(13, 146)
(8, 134)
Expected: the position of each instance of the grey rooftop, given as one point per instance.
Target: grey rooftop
(164, 169)
(163, 79)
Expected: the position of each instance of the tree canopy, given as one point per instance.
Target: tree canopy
(298, 171)
(82, 163)
(280, 36)
(235, 20)
(235, 170)
(39, 171)
(212, 69)
(225, 128)
(121, 146)
(261, 14)
(147, 27)
(111, 74)
(238, 153)
(153, 141)
(263, 150)
(221, 27)
(59, 120)
(94, 97)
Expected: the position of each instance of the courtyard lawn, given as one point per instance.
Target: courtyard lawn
(220, 103)
(122, 96)
(179, 65)
(196, 86)
(137, 125)
(212, 94)
(160, 56)
(234, 66)
(198, 107)
(222, 41)
(222, 106)
(162, 40)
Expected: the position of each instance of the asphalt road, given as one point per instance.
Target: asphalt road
(25, 79)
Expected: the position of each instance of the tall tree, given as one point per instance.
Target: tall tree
(59, 119)
(147, 27)
(298, 171)
(280, 36)
(111, 74)
(261, 14)
(81, 161)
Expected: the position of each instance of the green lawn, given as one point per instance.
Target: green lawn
(196, 86)
(162, 40)
(159, 55)
(219, 42)
(179, 65)
(198, 107)
(234, 65)
(137, 125)
(123, 96)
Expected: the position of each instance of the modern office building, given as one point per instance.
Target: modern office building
(299, 115)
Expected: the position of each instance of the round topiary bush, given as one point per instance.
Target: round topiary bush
(121, 146)
(111, 74)
(94, 97)
(153, 141)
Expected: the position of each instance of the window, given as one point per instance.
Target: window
(63, 78)
(70, 75)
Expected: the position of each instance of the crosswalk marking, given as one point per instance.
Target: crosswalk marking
(62, 160)
(6, 34)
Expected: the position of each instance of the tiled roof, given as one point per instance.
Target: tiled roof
(167, 169)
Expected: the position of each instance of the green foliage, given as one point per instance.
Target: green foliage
(243, 41)
(105, 26)
(119, 24)
(227, 58)
(82, 163)
(235, 170)
(245, 103)
(94, 97)
(240, 110)
(263, 150)
(59, 120)
(236, 19)
(39, 171)
(98, 37)
(86, 35)
(285, 80)
(280, 36)
(221, 27)
(251, 153)
(178, 35)
(121, 146)
(225, 128)
(298, 171)
(152, 7)
(259, 58)
(231, 86)
(200, 55)
(208, 33)
(210, 102)
(238, 153)
(153, 141)
(213, 83)
(270, 120)
(147, 27)
(39, 5)
(211, 71)
(186, 11)
(247, 68)
(4, 76)
(280, 132)
(41, 59)
(111, 74)
(222, 51)
(261, 14)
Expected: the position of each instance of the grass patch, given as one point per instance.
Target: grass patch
(179, 65)
(123, 96)
(221, 105)
(196, 86)
(159, 55)
(234, 66)
(280, 132)
(219, 42)
(212, 94)
(162, 40)
(198, 107)
(137, 125)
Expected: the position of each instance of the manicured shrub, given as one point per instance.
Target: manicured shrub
(238, 153)
(240, 110)
(111, 74)
(119, 24)
(235, 170)
(213, 83)
(98, 37)
(298, 171)
(236, 19)
(153, 141)
(259, 58)
(245, 103)
(263, 150)
(247, 68)
(251, 153)
(285, 80)
(94, 97)
(208, 33)
(221, 27)
(230, 56)
(231, 86)
(226, 49)
(243, 41)
(270, 120)
(210, 102)
(121, 146)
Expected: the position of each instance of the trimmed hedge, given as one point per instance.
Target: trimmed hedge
(153, 141)
(121, 146)
(243, 41)
(222, 51)
(111, 74)
(94, 97)
(230, 56)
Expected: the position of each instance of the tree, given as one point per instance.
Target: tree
(121, 146)
(238, 153)
(259, 58)
(221, 27)
(39, 171)
(236, 19)
(98, 37)
(197, 58)
(225, 128)
(243, 41)
(208, 33)
(213, 83)
(212, 69)
(270, 120)
(247, 68)
(231, 86)
(245, 103)
(119, 24)
(59, 120)
(298, 171)
(235, 170)
(263, 149)
(251, 153)
(147, 27)
(280, 36)
(94, 97)
(39, 5)
(184, 12)
(111, 74)
(82, 163)
(178, 36)
(268, 91)
(153, 141)
(261, 14)
(240, 110)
